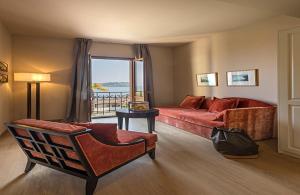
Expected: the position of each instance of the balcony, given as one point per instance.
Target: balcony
(105, 104)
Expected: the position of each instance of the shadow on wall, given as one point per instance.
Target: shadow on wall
(190, 60)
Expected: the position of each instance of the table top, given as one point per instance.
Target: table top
(143, 113)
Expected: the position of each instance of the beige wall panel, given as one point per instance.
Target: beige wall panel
(6, 89)
(295, 65)
(295, 127)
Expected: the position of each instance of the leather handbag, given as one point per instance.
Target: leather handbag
(233, 142)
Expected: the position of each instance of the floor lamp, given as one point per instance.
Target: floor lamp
(33, 78)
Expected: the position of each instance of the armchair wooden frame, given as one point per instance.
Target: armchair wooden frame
(56, 158)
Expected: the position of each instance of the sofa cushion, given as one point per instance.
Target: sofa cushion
(207, 103)
(199, 117)
(130, 136)
(106, 132)
(54, 126)
(193, 102)
(190, 127)
(220, 105)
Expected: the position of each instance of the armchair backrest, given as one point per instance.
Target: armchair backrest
(58, 150)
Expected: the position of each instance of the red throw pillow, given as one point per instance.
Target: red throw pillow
(222, 104)
(234, 98)
(104, 131)
(193, 102)
(208, 102)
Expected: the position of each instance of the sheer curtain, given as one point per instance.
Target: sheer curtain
(80, 99)
(142, 52)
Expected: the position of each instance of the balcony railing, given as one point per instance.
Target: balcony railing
(105, 104)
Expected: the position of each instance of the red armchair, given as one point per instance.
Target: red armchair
(89, 151)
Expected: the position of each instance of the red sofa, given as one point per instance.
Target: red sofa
(86, 150)
(256, 118)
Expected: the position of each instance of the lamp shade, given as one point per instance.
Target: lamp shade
(32, 77)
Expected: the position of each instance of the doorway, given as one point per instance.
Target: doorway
(289, 92)
(115, 82)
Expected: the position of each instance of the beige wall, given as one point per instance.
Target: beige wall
(189, 60)
(163, 69)
(253, 46)
(6, 106)
(49, 55)
(45, 55)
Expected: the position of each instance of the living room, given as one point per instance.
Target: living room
(216, 37)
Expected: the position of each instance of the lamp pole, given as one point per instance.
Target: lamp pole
(28, 100)
(33, 78)
(38, 101)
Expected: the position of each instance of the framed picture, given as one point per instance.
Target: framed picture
(242, 78)
(3, 67)
(207, 79)
(3, 78)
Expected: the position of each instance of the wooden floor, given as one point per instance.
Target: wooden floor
(186, 164)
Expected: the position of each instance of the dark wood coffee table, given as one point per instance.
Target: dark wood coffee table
(126, 113)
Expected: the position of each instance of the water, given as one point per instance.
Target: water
(115, 89)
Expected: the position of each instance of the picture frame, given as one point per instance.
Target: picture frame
(3, 78)
(207, 79)
(3, 67)
(242, 78)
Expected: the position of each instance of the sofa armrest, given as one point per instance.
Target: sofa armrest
(103, 158)
(257, 122)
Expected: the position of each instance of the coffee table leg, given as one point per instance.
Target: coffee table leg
(120, 122)
(126, 123)
(151, 124)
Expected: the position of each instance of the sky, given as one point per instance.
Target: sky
(107, 70)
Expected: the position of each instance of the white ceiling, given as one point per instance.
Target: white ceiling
(148, 21)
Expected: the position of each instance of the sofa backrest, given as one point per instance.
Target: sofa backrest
(249, 103)
(242, 103)
(51, 144)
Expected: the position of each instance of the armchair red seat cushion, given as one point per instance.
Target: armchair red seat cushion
(130, 136)
(108, 133)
